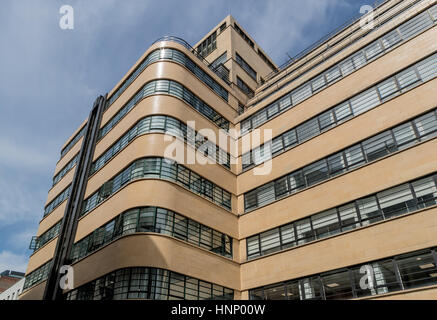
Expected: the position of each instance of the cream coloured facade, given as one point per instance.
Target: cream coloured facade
(348, 210)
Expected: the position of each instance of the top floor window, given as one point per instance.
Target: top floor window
(208, 45)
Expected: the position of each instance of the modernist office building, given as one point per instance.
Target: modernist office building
(348, 210)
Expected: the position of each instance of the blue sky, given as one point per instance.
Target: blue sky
(49, 77)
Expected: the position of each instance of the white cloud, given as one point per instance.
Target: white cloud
(12, 261)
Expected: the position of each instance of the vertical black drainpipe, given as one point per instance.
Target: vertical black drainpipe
(74, 205)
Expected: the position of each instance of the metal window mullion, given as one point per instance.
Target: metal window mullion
(398, 274)
(394, 141)
(352, 282)
(410, 185)
(416, 131)
(379, 207)
(366, 160)
(322, 286)
(358, 213)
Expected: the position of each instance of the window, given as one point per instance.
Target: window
(253, 247)
(427, 125)
(326, 120)
(318, 83)
(378, 146)
(276, 292)
(348, 217)
(208, 45)
(269, 241)
(407, 78)
(417, 270)
(148, 283)
(387, 88)
(396, 201)
(404, 135)
(364, 101)
(337, 285)
(326, 224)
(316, 172)
(265, 194)
(246, 89)
(425, 191)
(301, 94)
(246, 67)
(373, 50)
(333, 74)
(390, 39)
(308, 130)
(371, 149)
(342, 112)
(369, 210)
(304, 232)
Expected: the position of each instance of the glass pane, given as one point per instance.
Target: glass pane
(316, 172)
(290, 138)
(396, 201)
(390, 39)
(304, 232)
(336, 164)
(378, 146)
(266, 194)
(387, 88)
(404, 135)
(342, 112)
(348, 216)
(276, 292)
(373, 50)
(427, 125)
(308, 130)
(369, 211)
(337, 286)
(407, 78)
(301, 94)
(326, 120)
(425, 191)
(326, 224)
(333, 74)
(365, 101)
(253, 247)
(428, 68)
(418, 270)
(287, 236)
(270, 241)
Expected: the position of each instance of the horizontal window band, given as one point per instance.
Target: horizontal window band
(57, 201)
(406, 271)
(37, 276)
(149, 283)
(38, 242)
(172, 88)
(162, 124)
(155, 220)
(160, 168)
(178, 57)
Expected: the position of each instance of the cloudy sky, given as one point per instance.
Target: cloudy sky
(49, 77)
